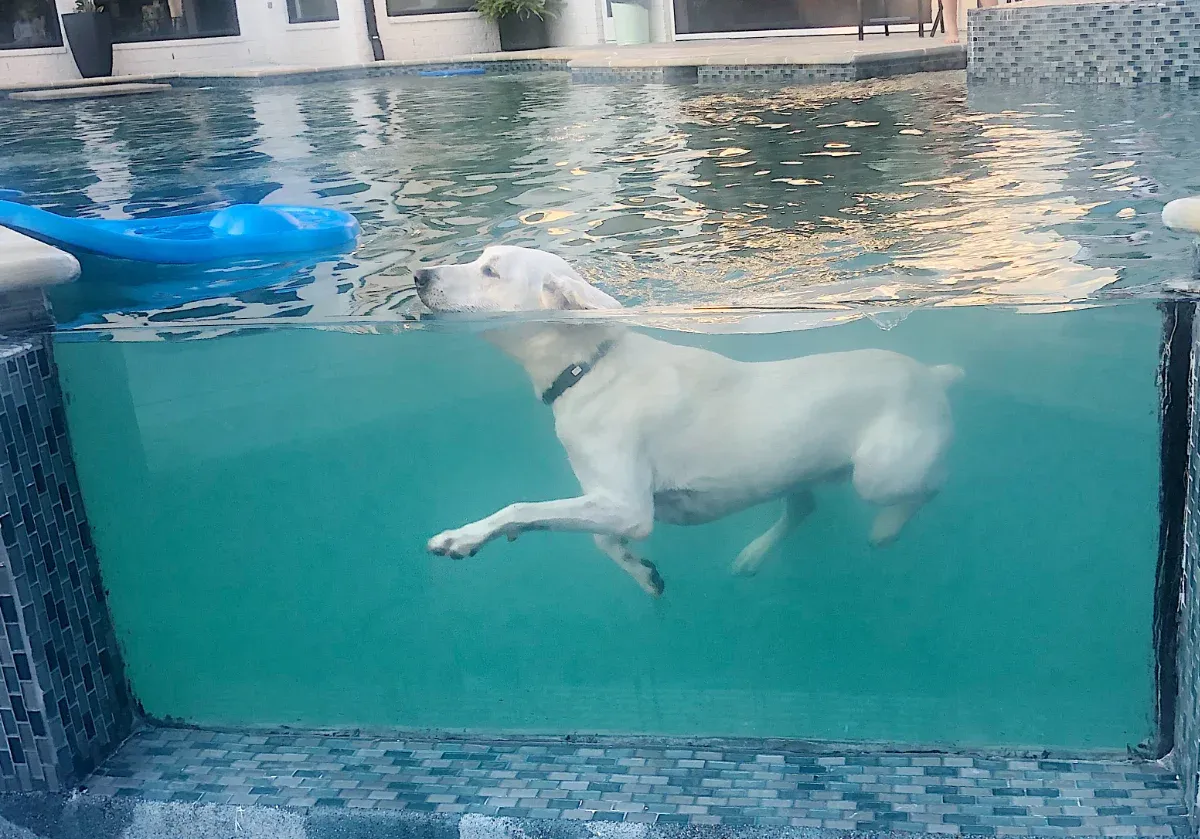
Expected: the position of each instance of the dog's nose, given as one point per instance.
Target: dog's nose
(422, 278)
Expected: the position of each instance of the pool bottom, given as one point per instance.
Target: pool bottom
(533, 787)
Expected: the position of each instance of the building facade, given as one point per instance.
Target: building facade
(171, 36)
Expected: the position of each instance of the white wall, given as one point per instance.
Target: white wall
(267, 39)
(53, 64)
(432, 37)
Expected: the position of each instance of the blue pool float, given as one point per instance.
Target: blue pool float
(242, 230)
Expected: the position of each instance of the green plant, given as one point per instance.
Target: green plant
(496, 9)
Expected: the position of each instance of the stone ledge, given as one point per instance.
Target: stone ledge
(28, 263)
(86, 92)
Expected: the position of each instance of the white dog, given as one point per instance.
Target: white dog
(656, 431)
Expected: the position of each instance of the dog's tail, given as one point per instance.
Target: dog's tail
(947, 374)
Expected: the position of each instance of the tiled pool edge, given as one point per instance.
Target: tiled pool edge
(66, 706)
(877, 65)
(530, 787)
(1124, 43)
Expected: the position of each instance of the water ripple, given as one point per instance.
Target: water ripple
(895, 192)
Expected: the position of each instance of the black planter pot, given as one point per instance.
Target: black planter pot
(523, 33)
(90, 37)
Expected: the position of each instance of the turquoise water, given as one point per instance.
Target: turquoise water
(261, 504)
(265, 449)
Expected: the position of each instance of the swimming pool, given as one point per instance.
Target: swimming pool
(263, 466)
(891, 190)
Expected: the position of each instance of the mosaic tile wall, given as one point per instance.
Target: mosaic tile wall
(633, 75)
(776, 74)
(1122, 43)
(65, 706)
(384, 69)
(727, 786)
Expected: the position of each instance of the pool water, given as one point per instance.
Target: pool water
(265, 448)
(895, 190)
(261, 504)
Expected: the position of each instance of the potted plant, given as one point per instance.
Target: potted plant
(89, 32)
(522, 22)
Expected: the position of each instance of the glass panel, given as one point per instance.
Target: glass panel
(428, 7)
(163, 20)
(311, 11)
(261, 505)
(27, 24)
(704, 16)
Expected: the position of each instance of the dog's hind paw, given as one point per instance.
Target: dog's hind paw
(751, 557)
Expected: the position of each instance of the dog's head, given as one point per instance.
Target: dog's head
(509, 279)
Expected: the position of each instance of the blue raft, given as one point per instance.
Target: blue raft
(239, 231)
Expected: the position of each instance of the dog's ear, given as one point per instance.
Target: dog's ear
(568, 290)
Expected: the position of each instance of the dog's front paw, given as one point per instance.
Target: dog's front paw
(457, 544)
(649, 579)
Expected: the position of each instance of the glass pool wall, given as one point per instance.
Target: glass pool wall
(261, 501)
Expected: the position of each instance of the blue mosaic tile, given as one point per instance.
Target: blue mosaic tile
(1118, 43)
(66, 706)
(647, 786)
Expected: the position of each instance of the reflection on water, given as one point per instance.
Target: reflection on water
(888, 191)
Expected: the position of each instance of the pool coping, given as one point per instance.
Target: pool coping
(669, 69)
(28, 263)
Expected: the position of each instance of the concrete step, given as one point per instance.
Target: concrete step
(95, 91)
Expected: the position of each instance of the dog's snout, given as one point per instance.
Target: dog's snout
(422, 277)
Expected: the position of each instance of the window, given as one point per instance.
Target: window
(163, 20)
(715, 16)
(427, 7)
(311, 11)
(27, 24)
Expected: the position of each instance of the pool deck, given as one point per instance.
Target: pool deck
(791, 59)
(488, 789)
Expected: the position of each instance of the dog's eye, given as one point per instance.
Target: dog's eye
(489, 271)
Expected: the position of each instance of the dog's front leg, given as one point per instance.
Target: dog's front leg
(592, 513)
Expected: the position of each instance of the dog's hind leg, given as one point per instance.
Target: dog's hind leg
(898, 468)
(642, 570)
(890, 520)
(796, 508)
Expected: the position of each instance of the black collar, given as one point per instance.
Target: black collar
(569, 377)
